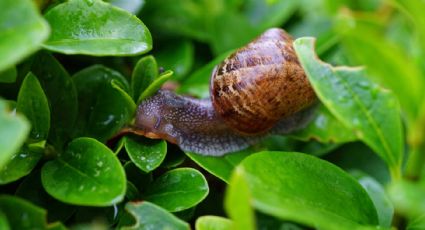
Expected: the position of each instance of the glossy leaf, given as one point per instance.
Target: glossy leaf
(8, 75)
(147, 154)
(176, 56)
(383, 205)
(178, 189)
(87, 173)
(144, 73)
(13, 132)
(373, 113)
(151, 216)
(324, 128)
(220, 167)
(22, 31)
(61, 94)
(155, 85)
(21, 164)
(285, 184)
(101, 115)
(96, 28)
(213, 223)
(238, 203)
(21, 214)
(32, 102)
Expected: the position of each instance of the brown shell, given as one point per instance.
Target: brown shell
(260, 83)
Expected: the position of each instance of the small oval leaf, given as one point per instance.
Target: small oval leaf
(96, 28)
(32, 102)
(144, 73)
(178, 189)
(150, 216)
(87, 173)
(102, 114)
(146, 154)
(213, 223)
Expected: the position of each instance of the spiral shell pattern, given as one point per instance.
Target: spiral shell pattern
(260, 84)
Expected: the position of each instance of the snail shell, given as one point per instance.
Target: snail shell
(259, 89)
(260, 84)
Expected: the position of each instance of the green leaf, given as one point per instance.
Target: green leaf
(32, 102)
(324, 128)
(177, 56)
(150, 216)
(87, 173)
(21, 164)
(417, 223)
(96, 28)
(4, 224)
(231, 30)
(8, 75)
(197, 84)
(13, 132)
(238, 203)
(220, 167)
(189, 18)
(144, 73)
(407, 197)
(285, 184)
(61, 94)
(213, 223)
(103, 106)
(383, 205)
(361, 105)
(391, 67)
(21, 214)
(155, 85)
(22, 31)
(178, 189)
(32, 190)
(265, 14)
(147, 154)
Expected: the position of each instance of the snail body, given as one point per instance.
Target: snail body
(259, 89)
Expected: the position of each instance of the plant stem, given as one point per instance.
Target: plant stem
(415, 162)
(416, 140)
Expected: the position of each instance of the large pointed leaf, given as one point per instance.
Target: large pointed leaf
(372, 112)
(305, 189)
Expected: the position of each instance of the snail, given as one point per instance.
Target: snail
(259, 89)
